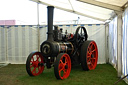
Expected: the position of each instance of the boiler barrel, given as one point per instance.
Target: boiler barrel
(52, 49)
(65, 47)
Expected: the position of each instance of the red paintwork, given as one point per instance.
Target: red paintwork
(34, 64)
(64, 61)
(92, 55)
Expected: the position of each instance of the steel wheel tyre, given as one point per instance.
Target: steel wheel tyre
(62, 66)
(89, 55)
(35, 64)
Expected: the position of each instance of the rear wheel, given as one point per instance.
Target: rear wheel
(62, 66)
(89, 55)
(35, 64)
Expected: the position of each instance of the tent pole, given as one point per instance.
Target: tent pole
(106, 42)
(119, 44)
(6, 34)
(38, 26)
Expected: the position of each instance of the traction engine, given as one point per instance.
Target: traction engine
(62, 51)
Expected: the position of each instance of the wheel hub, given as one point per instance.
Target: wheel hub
(35, 63)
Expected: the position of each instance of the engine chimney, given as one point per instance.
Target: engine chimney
(50, 23)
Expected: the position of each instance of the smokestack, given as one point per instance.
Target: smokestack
(50, 23)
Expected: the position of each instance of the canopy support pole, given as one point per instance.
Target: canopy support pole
(38, 28)
(119, 44)
(106, 42)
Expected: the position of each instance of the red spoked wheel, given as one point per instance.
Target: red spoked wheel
(89, 55)
(62, 66)
(35, 64)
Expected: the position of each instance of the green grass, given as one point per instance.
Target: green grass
(104, 74)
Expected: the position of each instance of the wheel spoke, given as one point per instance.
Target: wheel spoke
(64, 71)
(93, 58)
(91, 64)
(32, 58)
(90, 47)
(61, 62)
(88, 56)
(34, 70)
(88, 62)
(60, 70)
(89, 50)
(61, 66)
(65, 60)
(93, 51)
(37, 58)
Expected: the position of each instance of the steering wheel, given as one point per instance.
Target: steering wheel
(80, 35)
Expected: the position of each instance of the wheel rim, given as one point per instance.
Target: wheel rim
(92, 55)
(36, 64)
(64, 66)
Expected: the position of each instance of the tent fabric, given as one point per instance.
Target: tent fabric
(114, 2)
(113, 42)
(22, 40)
(125, 44)
(2, 45)
(85, 9)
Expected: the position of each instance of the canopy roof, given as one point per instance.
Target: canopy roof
(97, 9)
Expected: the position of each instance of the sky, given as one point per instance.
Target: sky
(25, 12)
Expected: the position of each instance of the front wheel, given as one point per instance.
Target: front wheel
(89, 55)
(62, 66)
(35, 64)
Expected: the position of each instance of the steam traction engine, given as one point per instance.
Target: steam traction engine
(62, 51)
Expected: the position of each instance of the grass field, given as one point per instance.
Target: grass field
(104, 74)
